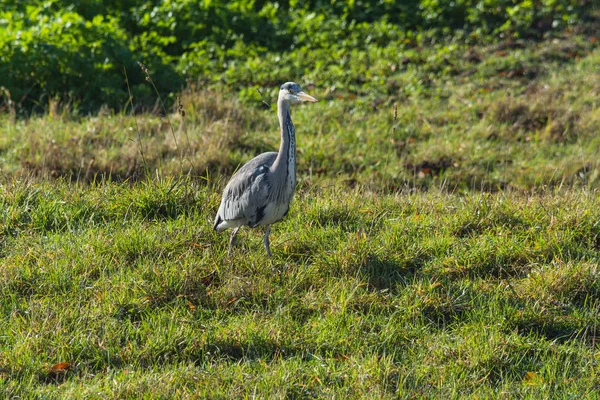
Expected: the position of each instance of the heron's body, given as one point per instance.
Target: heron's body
(248, 198)
(260, 192)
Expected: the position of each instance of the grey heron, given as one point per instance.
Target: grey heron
(260, 192)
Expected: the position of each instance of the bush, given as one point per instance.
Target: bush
(76, 51)
(61, 55)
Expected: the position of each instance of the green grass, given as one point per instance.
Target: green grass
(367, 295)
(521, 118)
(450, 253)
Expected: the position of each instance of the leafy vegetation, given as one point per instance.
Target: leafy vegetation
(76, 52)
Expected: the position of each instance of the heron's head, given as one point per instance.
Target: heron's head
(292, 93)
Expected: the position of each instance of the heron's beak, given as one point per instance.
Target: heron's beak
(306, 97)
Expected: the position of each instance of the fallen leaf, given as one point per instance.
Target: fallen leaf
(60, 367)
(342, 357)
(230, 302)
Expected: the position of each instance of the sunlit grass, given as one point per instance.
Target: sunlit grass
(367, 295)
(451, 253)
(484, 131)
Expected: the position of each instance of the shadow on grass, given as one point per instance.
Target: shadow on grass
(256, 349)
(500, 266)
(340, 217)
(558, 329)
(479, 226)
(385, 272)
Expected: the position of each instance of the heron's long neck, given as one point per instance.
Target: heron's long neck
(285, 163)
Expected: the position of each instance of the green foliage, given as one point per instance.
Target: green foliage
(76, 51)
(60, 54)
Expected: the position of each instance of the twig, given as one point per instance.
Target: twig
(262, 99)
(428, 124)
(180, 109)
(395, 118)
(10, 104)
(137, 129)
(166, 114)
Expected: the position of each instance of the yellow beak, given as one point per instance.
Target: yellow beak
(306, 97)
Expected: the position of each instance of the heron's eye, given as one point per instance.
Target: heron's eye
(291, 91)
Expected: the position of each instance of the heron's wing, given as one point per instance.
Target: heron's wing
(247, 190)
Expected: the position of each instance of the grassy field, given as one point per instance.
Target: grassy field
(450, 251)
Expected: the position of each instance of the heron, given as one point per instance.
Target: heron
(260, 192)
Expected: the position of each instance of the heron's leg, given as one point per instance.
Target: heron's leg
(232, 239)
(267, 244)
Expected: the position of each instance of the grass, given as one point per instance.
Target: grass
(450, 253)
(429, 294)
(521, 118)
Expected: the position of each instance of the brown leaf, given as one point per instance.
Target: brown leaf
(190, 305)
(230, 302)
(60, 367)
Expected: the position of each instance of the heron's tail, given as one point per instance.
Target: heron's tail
(221, 224)
(218, 222)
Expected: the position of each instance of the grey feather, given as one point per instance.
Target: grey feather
(246, 191)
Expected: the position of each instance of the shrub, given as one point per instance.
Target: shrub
(76, 51)
(49, 55)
